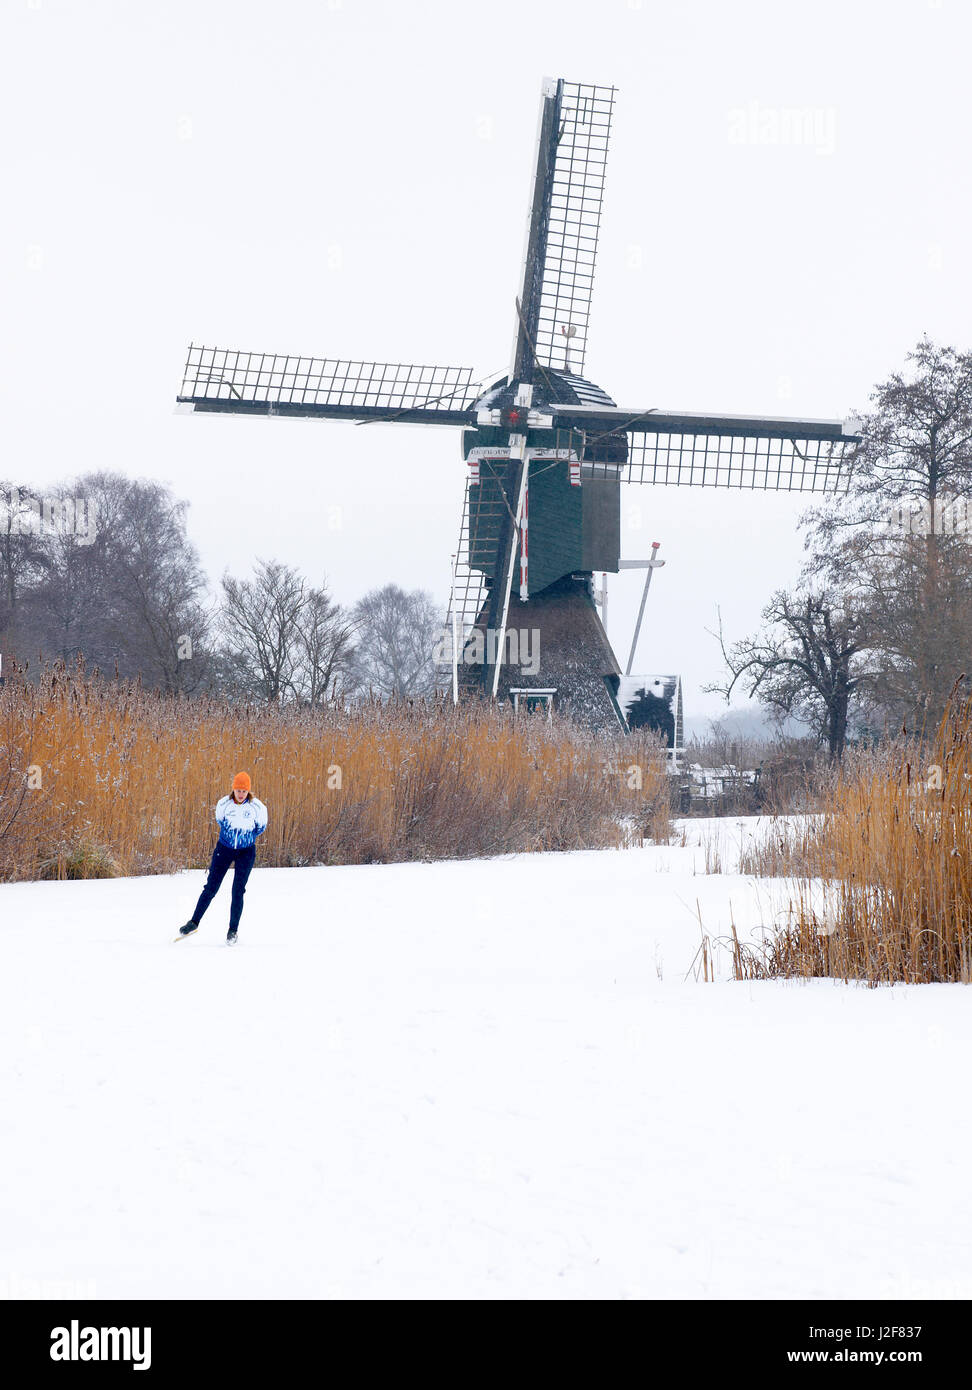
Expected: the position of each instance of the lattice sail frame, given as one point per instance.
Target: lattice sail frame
(225, 374)
(574, 225)
(759, 462)
(469, 591)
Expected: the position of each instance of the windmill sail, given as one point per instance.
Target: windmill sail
(759, 453)
(574, 225)
(266, 383)
(565, 219)
(482, 534)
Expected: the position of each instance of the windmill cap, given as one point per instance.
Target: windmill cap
(241, 782)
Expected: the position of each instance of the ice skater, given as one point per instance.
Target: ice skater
(241, 819)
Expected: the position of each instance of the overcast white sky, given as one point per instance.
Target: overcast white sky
(349, 178)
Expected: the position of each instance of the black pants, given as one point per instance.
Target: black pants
(223, 857)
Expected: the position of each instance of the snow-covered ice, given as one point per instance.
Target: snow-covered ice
(477, 1079)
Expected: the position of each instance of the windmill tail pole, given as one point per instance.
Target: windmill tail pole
(653, 564)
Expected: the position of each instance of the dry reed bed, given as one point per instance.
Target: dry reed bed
(883, 879)
(128, 780)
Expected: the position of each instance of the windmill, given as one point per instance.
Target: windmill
(547, 450)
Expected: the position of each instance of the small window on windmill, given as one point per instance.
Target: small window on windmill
(533, 699)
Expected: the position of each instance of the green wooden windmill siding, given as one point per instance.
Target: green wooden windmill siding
(572, 529)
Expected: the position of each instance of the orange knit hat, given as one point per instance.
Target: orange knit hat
(241, 782)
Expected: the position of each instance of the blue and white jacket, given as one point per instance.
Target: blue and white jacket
(240, 824)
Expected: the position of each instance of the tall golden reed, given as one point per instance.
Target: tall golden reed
(100, 778)
(885, 875)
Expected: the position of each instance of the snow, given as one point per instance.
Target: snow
(479, 1079)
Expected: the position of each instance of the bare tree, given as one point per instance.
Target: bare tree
(397, 632)
(22, 564)
(804, 662)
(892, 544)
(157, 616)
(325, 636)
(282, 638)
(72, 611)
(118, 582)
(260, 621)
